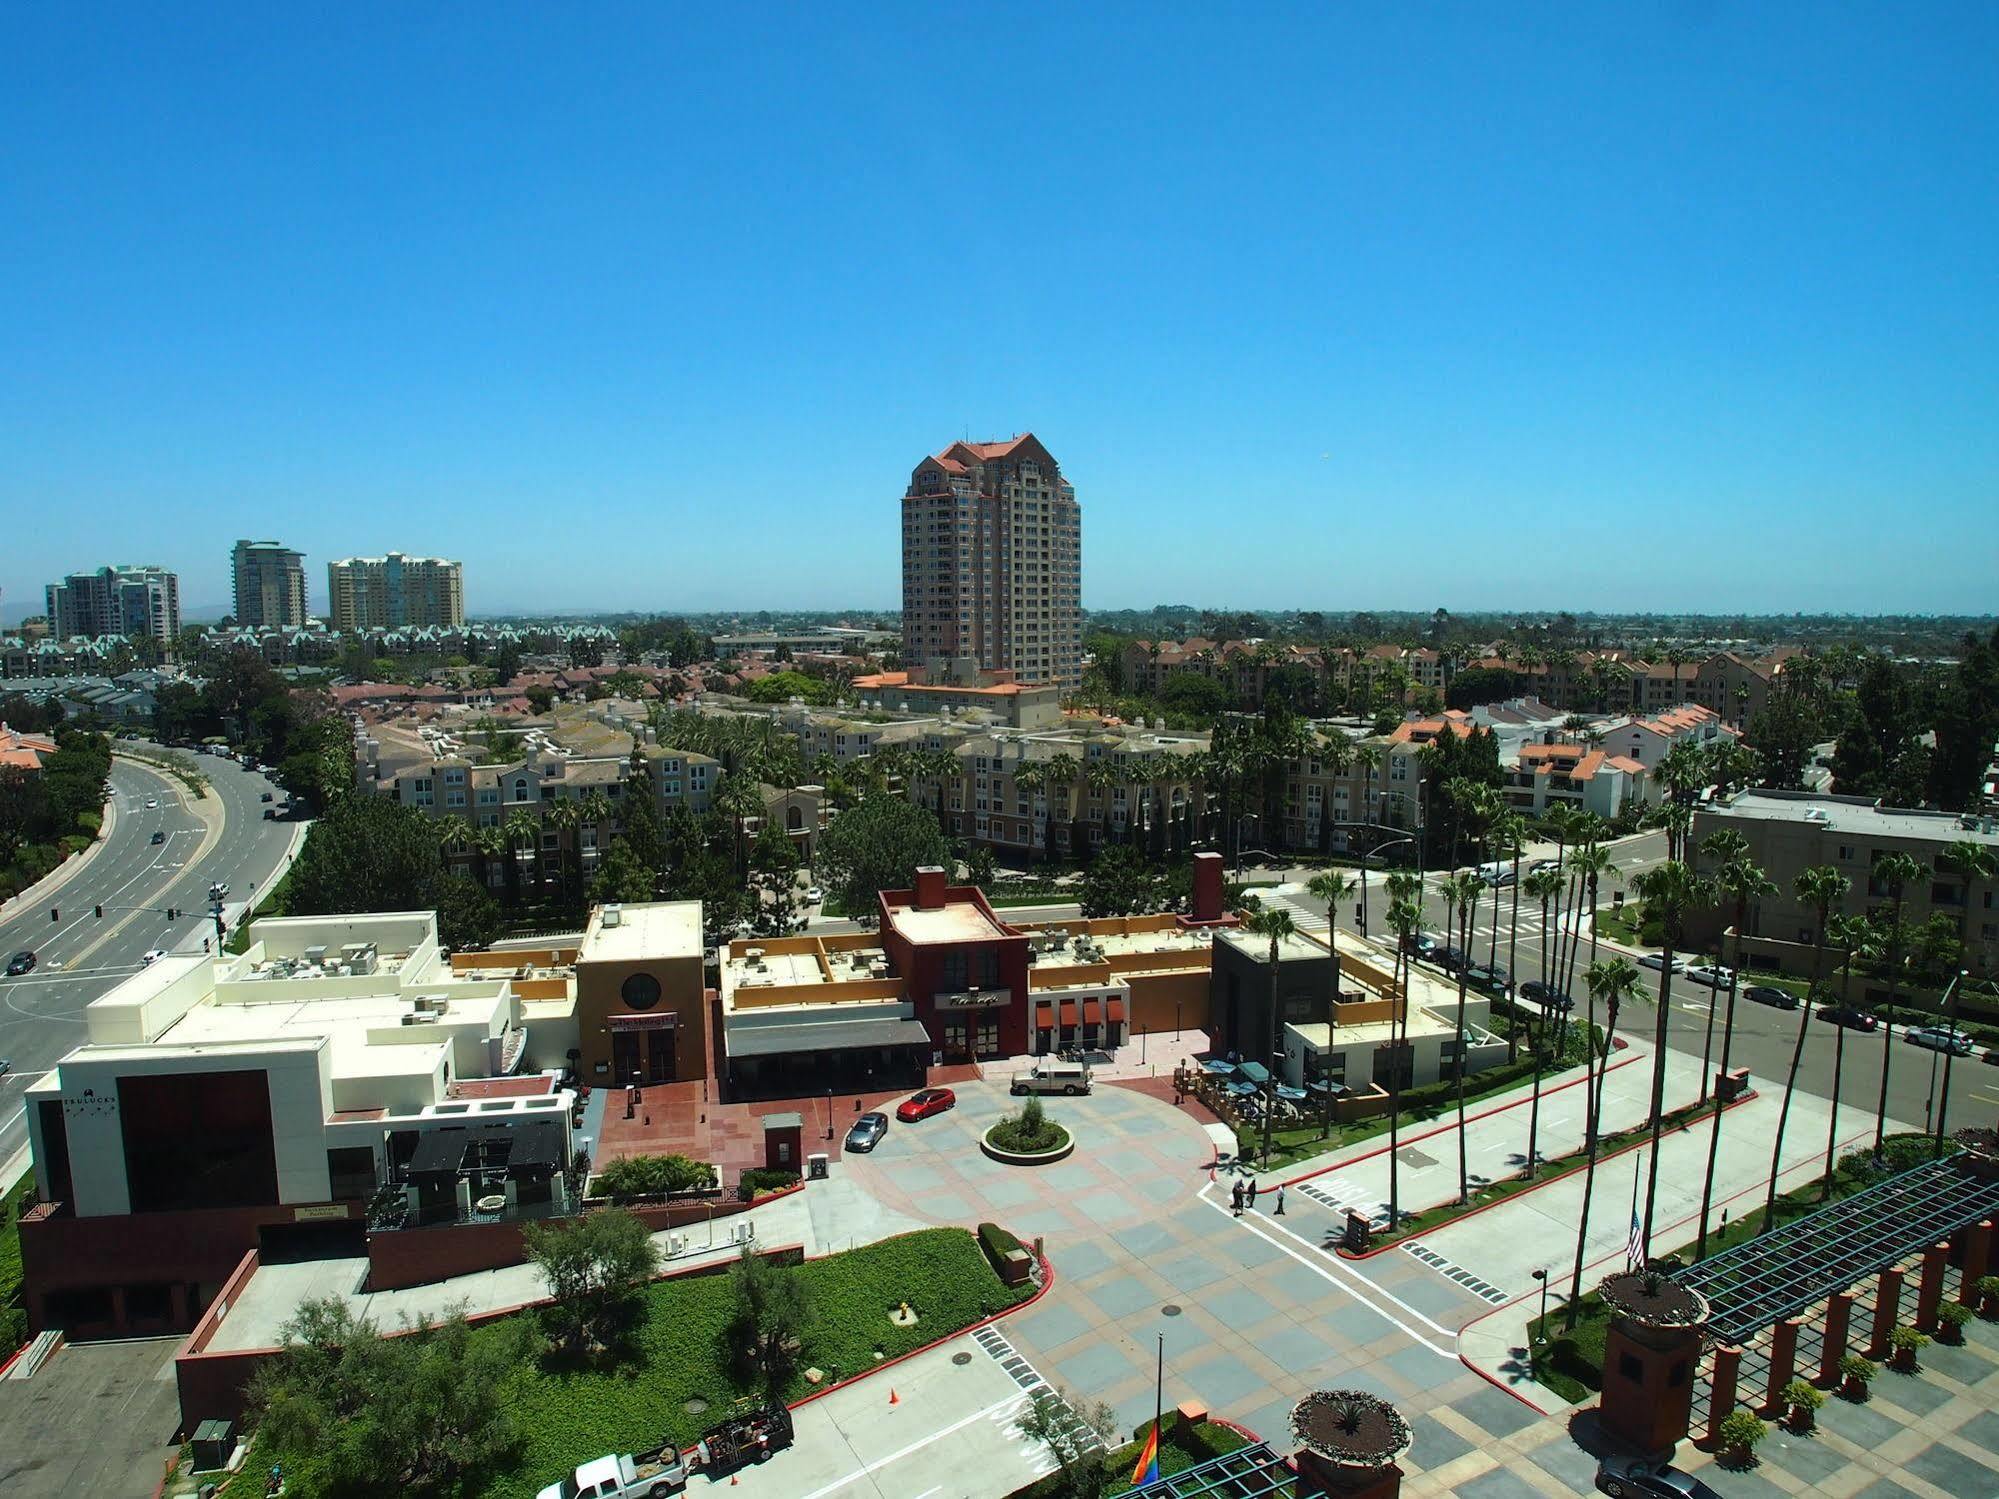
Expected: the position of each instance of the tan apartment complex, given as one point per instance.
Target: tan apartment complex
(387, 593)
(992, 562)
(269, 585)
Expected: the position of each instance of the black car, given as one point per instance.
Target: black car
(1547, 996)
(20, 963)
(867, 1132)
(1488, 978)
(1771, 995)
(265, 797)
(1641, 1478)
(1421, 945)
(1447, 958)
(158, 836)
(1848, 1016)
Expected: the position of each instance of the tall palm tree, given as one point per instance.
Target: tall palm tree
(1612, 981)
(1405, 918)
(1672, 890)
(1461, 893)
(1031, 781)
(1821, 887)
(523, 832)
(1509, 841)
(1896, 872)
(1854, 937)
(1543, 885)
(1742, 880)
(1366, 760)
(1273, 922)
(1976, 865)
(490, 843)
(564, 814)
(1590, 864)
(1329, 887)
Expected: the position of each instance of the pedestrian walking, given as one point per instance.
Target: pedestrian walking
(1252, 1194)
(1235, 1199)
(1280, 1200)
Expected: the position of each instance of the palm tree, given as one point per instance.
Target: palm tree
(522, 833)
(1275, 923)
(564, 813)
(490, 843)
(1854, 937)
(738, 799)
(1742, 880)
(1509, 840)
(1366, 760)
(1543, 885)
(1590, 863)
(1821, 887)
(1461, 893)
(1613, 981)
(1973, 863)
(1896, 872)
(1672, 890)
(1031, 781)
(1405, 918)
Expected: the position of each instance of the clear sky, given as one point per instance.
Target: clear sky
(1336, 306)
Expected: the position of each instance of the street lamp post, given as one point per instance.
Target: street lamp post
(1542, 1277)
(1949, 1056)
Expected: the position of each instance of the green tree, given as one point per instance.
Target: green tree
(467, 917)
(1741, 880)
(774, 880)
(1119, 882)
(365, 854)
(1854, 937)
(1075, 1432)
(349, 1413)
(1670, 891)
(638, 817)
(1461, 894)
(766, 1327)
(1273, 923)
(877, 844)
(620, 876)
(1821, 887)
(596, 1267)
(1612, 982)
(1893, 873)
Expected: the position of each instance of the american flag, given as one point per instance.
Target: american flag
(1634, 1251)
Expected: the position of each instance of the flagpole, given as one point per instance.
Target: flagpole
(1159, 1389)
(1645, 1233)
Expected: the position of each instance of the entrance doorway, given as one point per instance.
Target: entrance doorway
(659, 1056)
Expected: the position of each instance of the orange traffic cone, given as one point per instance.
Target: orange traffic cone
(893, 1398)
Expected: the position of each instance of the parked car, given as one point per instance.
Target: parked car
(815, 896)
(867, 1131)
(1488, 978)
(265, 797)
(1498, 872)
(1848, 1016)
(1547, 996)
(20, 963)
(1771, 995)
(645, 1475)
(152, 802)
(1052, 1075)
(1658, 960)
(1940, 1038)
(152, 955)
(1421, 944)
(1643, 1478)
(1713, 975)
(922, 1104)
(1450, 959)
(747, 1437)
(158, 836)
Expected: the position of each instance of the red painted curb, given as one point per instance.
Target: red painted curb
(1516, 1196)
(1447, 1128)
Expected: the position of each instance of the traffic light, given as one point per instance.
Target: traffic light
(54, 914)
(173, 913)
(99, 913)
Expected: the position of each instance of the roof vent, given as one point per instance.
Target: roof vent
(613, 916)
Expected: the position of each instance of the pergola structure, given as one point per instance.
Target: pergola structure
(1783, 1272)
(1252, 1472)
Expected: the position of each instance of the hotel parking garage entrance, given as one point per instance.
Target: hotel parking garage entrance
(642, 1048)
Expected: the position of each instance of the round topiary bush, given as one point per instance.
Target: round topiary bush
(1027, 1138)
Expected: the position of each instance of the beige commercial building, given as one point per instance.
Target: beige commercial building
(387, 593)
(269, 581)
(992, 561)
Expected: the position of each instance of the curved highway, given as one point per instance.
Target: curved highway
(80, 956)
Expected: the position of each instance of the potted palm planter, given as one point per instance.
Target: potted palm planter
(1740, 1432)
(1855, 1374)
(1952, 1316)
(1980, 1154)
(1802, 1399)
(1348, 1435)
(1903, 1344)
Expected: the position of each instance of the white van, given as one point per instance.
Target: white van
(1052, 1075)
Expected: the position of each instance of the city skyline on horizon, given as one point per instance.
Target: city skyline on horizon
(1460, 312)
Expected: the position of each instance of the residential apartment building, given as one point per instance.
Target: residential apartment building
(992, 562)
(116, 600)
(386, 593)
(961, 687)
(269, 581)
(1789, 832)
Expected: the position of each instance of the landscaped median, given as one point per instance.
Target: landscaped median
(1029, 1138)
(1430, 1219)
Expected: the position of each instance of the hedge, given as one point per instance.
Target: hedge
(764, 1179)
(997, 1242)
(631, 1177)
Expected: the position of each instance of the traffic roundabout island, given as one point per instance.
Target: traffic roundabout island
(1029, 1138)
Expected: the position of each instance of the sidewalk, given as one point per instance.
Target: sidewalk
(1537, 1230)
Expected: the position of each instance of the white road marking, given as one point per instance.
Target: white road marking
(917, 1446)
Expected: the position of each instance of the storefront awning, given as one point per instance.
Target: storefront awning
(1044, 1014)
(824, 1035)
(1068, 1012)
(1114, 1010)
(1093, 1012)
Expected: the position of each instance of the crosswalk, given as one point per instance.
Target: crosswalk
(1343, 1196)
(1037, 1389)
(1454, 1272)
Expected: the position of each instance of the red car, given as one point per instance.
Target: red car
(923, 1105)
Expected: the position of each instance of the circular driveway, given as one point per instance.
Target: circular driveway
(1136, 1159)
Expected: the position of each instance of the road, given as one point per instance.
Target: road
(81, 956)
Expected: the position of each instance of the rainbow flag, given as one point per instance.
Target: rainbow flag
(1147, 1470)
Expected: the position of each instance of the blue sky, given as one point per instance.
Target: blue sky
(1652, 306)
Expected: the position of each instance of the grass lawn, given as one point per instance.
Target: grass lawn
(567, 1417)
(1621, 924)
(1572, 1363)
(13, 1316)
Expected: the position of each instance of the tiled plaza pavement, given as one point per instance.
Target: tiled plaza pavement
(1262, 1315)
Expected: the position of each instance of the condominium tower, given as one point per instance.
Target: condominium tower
(992, 561)
(270, 584)
(386, 593)
(117, 600)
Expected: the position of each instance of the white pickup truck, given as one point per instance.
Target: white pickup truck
(647, 1475)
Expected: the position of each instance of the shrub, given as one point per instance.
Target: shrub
(1906, 1339)
(1988, 1292)
(1030, 1131)
(636, 1176)
(1740, 1432)
(1954, 1315)
(764, 1179)
(1857, 1372)
(1803, 1395)
(997, 1242)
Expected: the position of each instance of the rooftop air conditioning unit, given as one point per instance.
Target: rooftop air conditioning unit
(613, 915)
(316, 953)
